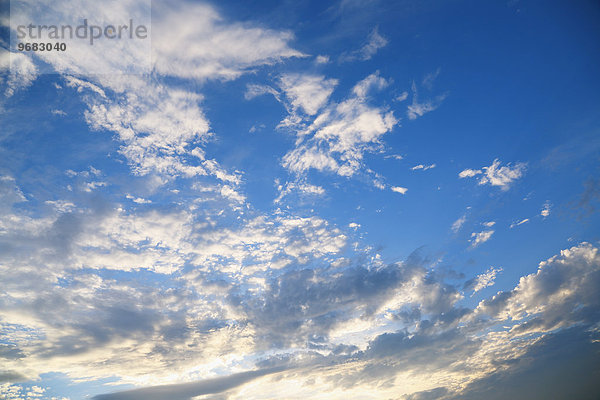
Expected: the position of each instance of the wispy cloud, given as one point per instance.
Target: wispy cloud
(419, 108)
(423, 167)
(459, 223)
(515, 224)
(374, 42)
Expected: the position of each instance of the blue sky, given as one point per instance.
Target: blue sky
(357, 199)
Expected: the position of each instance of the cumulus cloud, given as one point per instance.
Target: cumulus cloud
(496, 175)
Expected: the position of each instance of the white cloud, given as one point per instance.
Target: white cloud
(430, 78)
(370, 83)
(559, 294)
(307, 92)
(489, 224)
(418, 109)
(302, 188)
(459, 223)
(523, 221)
(214, 48)
(19, 71)
(374, 42)
(321, 59)
(546, 209)
(399, 189)
(254, 90)
(403, 96)
(496, 175)
(138, 200)
(469, 173)
(341, 133)
(480, 237)
(486, 279)
(423, 167)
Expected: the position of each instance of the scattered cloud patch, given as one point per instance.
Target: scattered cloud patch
(459, 223)
(515, 224)
(422, 167)
(496, 175)
(546, 209)
(341, 133)
(399, 189)
(374, 42)
(480, 237)
(486, 279)
(419, 108)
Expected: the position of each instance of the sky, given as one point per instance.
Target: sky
(302, 200)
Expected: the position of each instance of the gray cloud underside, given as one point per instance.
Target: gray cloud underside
(186, 391)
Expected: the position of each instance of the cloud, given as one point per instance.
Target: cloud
(484, 280)
(546, 209)
(17, 72)
(418, 109)
(399, 189)
(469, 173)
(459, 223)
(307, 92)
(374, 42)
(187, 391)
(560, 293)
(160, 126)
(515, 224)
(430, 78)
(496, 175)
(208, 47)
(254, 90)
(422, 167)
(562, 365)
(403, 96)
(480, 237)
(338, 137)
(300, 187)
(321, 59)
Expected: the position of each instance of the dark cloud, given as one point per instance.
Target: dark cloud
(565, 365)
(10, 352)
(300, 305)
(11, 376)
(186, 391)
(432, 394)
